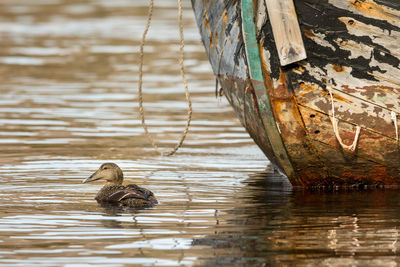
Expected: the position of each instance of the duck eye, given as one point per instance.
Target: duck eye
(105, 168)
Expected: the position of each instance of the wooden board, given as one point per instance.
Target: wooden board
(286, 30)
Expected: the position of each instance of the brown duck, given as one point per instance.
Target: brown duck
(113, 192)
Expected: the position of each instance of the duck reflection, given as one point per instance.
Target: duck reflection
(117, 211)
(276, 224)
(112, 210)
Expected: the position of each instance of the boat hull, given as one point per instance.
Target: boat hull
(328, 120)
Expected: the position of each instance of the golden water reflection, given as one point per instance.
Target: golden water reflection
(282, 226)
(68, 102)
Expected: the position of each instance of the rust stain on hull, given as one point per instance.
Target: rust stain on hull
(353, 47)
(374, 10)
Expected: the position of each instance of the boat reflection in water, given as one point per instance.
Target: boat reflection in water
(281, 225)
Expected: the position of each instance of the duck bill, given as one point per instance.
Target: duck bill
(91, 178)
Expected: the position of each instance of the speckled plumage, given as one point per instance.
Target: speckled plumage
(113, 192)
(130, 195)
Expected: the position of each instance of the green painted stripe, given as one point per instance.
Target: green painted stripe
(257, 79)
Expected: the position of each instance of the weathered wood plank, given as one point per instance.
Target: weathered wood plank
(370, 9)
(354, 110)
(286, 30)
(258, 84)
(371, 146)
(221, 32)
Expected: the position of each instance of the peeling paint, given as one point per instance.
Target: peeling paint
(356, 49)
(387, 39)
(370, 9)
(353, 46)
(318, 38)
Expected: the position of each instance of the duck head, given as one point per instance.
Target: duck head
(109, 172)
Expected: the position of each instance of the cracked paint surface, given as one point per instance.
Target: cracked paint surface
(352, 46)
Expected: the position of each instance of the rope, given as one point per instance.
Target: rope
(335, 122)
(182, 70)
(396, 127)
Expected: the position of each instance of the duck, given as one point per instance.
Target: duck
(113, 192)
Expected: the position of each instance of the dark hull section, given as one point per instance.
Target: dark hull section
(347, 91)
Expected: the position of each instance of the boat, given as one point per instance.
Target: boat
(316, 83)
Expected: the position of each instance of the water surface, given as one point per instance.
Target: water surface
(68, 102)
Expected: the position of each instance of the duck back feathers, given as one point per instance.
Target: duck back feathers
(129, 195)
